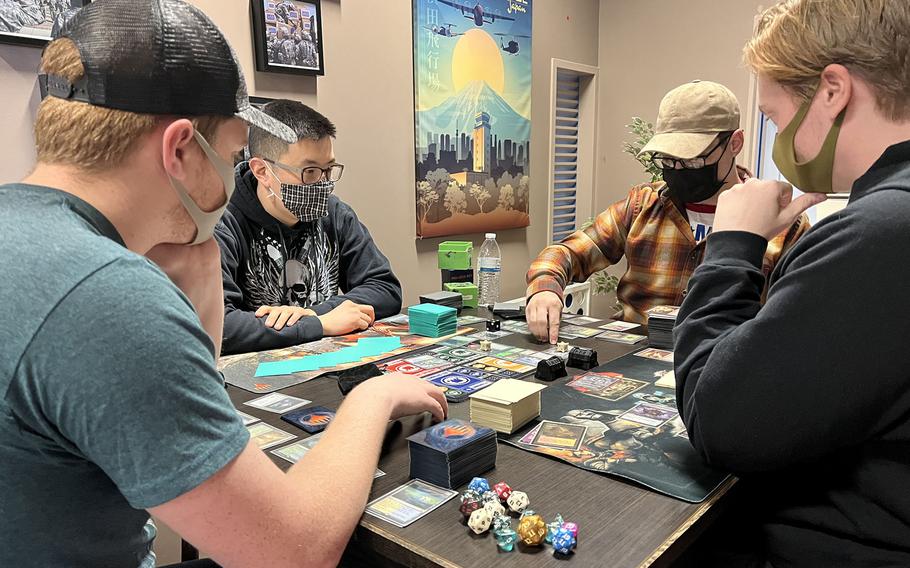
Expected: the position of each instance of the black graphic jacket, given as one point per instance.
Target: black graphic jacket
(316, 265)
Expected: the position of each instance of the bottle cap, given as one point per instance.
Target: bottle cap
(491, 235)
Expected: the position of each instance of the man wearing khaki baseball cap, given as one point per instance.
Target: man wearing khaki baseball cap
(659, 227)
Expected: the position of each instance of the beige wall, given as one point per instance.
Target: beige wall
(647, 47)
(18, 100)
(368, 92)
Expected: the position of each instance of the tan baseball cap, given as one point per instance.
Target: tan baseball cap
(690, 118)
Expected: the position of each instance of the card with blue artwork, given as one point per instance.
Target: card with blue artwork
(460, 381)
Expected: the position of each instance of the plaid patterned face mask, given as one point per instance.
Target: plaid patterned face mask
(307, 202)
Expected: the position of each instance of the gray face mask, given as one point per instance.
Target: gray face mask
(306, 202)
(206, 220)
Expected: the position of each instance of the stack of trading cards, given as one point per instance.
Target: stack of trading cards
(661, 320)
(507, 405)
(451, 453)
(432, 320)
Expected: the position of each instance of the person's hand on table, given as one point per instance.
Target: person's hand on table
(196, 270)
(406, 395)
(543, 313)
(280, 317)
(346, 318)
(761, 207)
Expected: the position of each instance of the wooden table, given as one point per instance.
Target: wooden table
(620, 523)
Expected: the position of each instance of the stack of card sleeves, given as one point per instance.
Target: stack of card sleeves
(451, 453)
(661, 321)
(432, 320)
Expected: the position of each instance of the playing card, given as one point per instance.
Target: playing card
(609, 386)
(247, 419)
(468, 320)
(409, 502)
(664, 311)
(458, 381)
(277, 402)
(266, 436)
(529, 437)
(656, 354)
(667, 380)
(491, 335)
(620, 326)
(620, 337)
(584, 320)
(649, 414)
(559, 435)
(575, 331)
(294, 452)
(458, 355)
(312, 420)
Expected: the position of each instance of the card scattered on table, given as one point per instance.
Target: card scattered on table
(295, 452)
(409, 502)
(507, 405)
(620, 326)
(667, 380)
(451, 453)
(656, 354)
(247, 419)
(266, 436)
(620, 337)
(559, 435)
(432, 320)
(277, 402)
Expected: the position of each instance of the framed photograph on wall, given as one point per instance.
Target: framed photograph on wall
(35, 22)
(287, 36)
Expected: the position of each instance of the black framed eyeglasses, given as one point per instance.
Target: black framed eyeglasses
(669, 163)
(312, 174)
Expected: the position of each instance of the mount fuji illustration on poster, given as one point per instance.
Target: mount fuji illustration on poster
(472, 81)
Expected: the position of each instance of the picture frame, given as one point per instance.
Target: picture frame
(287, 36)
(32, 25)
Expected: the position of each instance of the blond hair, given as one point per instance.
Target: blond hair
(796, 39)
(89, 137)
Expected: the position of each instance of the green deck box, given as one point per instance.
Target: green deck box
(455, 255)
(468, 290)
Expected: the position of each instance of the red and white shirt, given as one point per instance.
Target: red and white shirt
(701, 219)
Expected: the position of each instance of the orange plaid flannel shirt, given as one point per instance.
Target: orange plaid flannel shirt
(657, 241)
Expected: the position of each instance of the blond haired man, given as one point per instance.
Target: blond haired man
(808, 397)
(111, 406)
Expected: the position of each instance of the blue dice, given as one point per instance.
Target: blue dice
(480, 485)
(563, 541)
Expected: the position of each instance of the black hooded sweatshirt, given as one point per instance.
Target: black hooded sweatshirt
(337, 260)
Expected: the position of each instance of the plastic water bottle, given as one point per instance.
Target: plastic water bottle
(489, 266)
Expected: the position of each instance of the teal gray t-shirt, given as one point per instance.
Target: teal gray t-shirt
(111, 403)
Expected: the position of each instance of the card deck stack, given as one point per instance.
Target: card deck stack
(444, 298)
(661, 320)
(451, 453)
(507, 405)
(432, 320)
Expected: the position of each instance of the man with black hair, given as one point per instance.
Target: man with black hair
(288, 244)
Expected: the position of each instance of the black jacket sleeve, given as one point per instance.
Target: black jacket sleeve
(822, 366)
(243, 331)
(365, 274)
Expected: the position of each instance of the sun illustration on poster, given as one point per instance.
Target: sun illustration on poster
(476, 58)
(472, 111)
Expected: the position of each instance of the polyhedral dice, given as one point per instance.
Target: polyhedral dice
(494, 507)
(505, 539)
(562, 347)
(468, 505)
(480, 521)
(479, 484)
(503, 490)
(488, 496)
(532, 530)
(572, 528)
(486, 345)
(553, 527)
(563, 541)
(469, 493)
(501, 522)
(518, 501)
(493, 325)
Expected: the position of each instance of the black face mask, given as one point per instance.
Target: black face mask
(695, 185)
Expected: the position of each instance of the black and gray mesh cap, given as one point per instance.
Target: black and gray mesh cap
(158, 57)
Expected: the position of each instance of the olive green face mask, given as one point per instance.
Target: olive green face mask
(815, 175)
